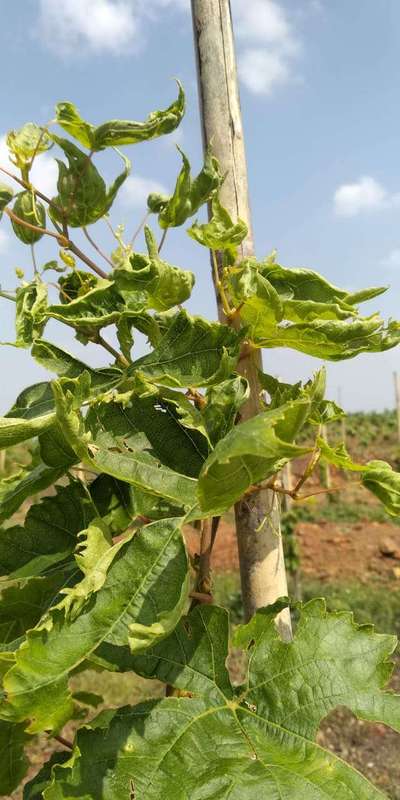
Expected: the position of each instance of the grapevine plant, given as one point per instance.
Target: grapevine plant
(97, 576)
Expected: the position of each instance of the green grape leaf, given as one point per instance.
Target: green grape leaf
(31, 308)
(109, 442)
(260, 304)
(27, 142)
(23, 604)
(155, 282)
(82, 194)
(13, 764)
(310, 310)
(315, 317)
(28, 482)
(192, 352)
(223, 404)
(338, 456)
(18, 429)
(259, 741)
(304, 284)
(322, 412)
(173, 428)
(116, 132)
(189, 194)
(49, 534)
(334, 340)
(34, 401)
(54, 449)
(65, 365)
(33, 790)
(96, 309)
(250, 453)
(220, 233)
(124, 328)
(68, 117)
(151, 573)
(158, 123)
(384, 483)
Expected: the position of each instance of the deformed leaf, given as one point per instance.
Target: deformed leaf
(335, 340)
(82, 194)
(109, 441)
(49, 533)
(31, 308)
(338, 456)
(19, 428)
(116, 132)
(68, 117)
(26, 143)
(213, 742)
(192, 352)
(189, 194)
(220, 233)
(223, 404)
(96, 309)
(298, 308)
(250, 453)
(151, 573)
(384, 483)
(94, 555)
(157, 284)
(28, 209)
(322, 412)
(6, 195)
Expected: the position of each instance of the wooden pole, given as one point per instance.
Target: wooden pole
(262, 566)
(397, 395)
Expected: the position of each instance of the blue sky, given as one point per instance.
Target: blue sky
(320, 98)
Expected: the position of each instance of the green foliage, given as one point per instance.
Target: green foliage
(220, 233)
(189, 194)
(31, 308)
(95, 573)
(28, 209)
(156, 284)
(6, 195)
(82, 194)
(251, 739)
(117, 132)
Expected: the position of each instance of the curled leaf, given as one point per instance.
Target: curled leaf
(116, 132)
(30, 210)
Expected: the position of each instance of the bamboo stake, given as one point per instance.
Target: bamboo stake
(262, 567)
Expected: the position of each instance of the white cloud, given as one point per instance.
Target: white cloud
(261, 71)
(43, 175)
(136, 189)
(99, 25)
(366, 194)
(4, 241)
(268, 44)
(392, 260)
(265, 21)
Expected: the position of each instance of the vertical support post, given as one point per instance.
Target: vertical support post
(262, 566)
